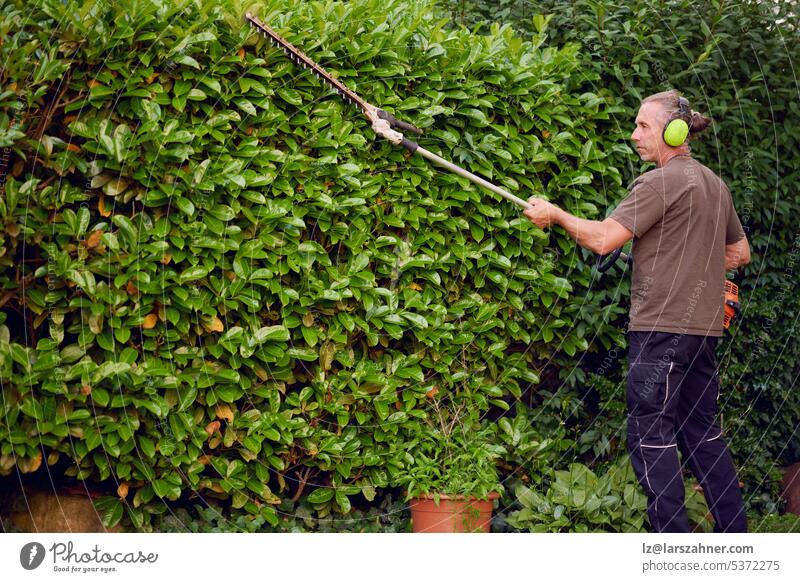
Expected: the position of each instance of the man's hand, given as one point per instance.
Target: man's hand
(737, 254)
(542, 213)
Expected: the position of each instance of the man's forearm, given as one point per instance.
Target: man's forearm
(587, 233)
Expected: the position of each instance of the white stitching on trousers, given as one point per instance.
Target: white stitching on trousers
(666, 396)
(646, 476)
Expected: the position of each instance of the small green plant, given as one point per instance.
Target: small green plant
(697, 511)
(774, 523)
(577, 500)
(454, 454)
(384, 515)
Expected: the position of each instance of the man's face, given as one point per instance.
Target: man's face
(647, 135)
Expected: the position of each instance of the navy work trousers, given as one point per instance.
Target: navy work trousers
(672, 395)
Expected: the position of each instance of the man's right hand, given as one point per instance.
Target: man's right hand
(737, 254)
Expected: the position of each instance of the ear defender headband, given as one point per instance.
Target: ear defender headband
(676, 130)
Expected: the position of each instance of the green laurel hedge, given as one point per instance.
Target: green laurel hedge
(217, 283)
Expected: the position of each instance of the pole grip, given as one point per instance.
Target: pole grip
(394, 122)
(411, 146)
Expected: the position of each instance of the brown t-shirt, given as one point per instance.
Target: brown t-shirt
(682, 216)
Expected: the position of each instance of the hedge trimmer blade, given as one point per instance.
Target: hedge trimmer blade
(383, 123)
(298, 57)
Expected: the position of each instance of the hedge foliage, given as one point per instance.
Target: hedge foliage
(215, 281)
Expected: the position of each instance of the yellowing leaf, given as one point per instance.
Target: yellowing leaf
(31, 464)
(101, 207)
(93, 239)
(224, 411)
(115, 187)
(326, 354)
(150, 321)
(214, 324)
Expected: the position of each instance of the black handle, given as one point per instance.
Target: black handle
(604, 262)
(409, 145)
(394, 122)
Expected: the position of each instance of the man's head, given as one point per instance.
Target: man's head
(654, 113)
(647, 135)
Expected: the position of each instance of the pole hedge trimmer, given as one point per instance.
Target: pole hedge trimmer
(386, 125)
(383, 123)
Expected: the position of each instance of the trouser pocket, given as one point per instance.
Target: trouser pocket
(649, 387)
(651, 397)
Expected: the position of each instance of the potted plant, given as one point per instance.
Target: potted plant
(450, 478)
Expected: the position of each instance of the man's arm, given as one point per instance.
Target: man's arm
(600, 237)
(737, 254)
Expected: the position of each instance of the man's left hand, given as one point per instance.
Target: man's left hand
(542, 213)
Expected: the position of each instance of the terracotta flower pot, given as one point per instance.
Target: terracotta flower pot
(454, 514)
(64, 512)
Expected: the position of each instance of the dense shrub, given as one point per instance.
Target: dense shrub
(215, 284)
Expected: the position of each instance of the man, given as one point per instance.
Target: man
(686, 234)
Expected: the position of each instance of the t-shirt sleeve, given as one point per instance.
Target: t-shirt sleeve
(643, 207)
(733, 231)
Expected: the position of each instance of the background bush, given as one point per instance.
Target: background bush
(733, 60)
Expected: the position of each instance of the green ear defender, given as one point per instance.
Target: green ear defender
(676, 130)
